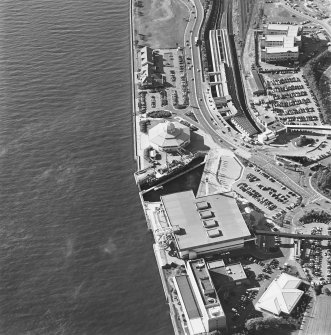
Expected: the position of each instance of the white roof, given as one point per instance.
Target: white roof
(273, 26)
(169, 134)
(288, 42)
(197, 326)
(276, 50)
(182, 211)
(273, 38)
(282, 295)
(292, 30)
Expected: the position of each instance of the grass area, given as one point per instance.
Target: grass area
(160, 23)
(314, 184)
(319, 322)
(313, 72)
(274, 12)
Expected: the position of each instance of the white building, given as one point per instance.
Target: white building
(148, 76)
(169, 136)
(280, 43)
(206, 224)
(281, 296)
(199, 300)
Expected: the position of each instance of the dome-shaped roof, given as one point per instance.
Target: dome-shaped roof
(169, 134)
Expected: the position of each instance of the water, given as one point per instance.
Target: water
(186, 182)
(75, 256)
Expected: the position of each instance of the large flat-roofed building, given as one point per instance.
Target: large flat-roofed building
(281, 296)
(280, 54)
(224, 276)
(206, 224)
(258, 87)
(280, 43)
(199, 300)
(281, 29)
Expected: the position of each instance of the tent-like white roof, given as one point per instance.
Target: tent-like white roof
(282, 295)
(169, 134)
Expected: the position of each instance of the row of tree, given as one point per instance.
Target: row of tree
(323, 178)
(315, 216)
(313, 72)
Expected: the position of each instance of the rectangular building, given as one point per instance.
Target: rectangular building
(224, 276)
(280, 43)
(148, 76)
(204, 225)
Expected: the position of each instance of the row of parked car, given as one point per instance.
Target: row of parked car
(278, 196)
(289, 95)
(315, 255)
(287, 88)
(245, 299)
(257, 196)
(295, 111)
(252, 177)
(302, 118)
(142, 101)
(293, 102)
(284, 188)
(282, 81)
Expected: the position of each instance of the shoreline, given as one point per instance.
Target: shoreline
(133, 89)
(163, 278)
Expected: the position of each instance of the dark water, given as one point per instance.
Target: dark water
(75, 256)
(189, 181)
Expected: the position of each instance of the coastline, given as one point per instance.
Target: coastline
(133, 89)
(168, 297)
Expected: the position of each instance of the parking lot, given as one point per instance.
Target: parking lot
(175, 66)
(238, 301)
(266, 193)
(317, 254)
(290, 100)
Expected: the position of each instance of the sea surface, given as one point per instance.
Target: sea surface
(75, 254)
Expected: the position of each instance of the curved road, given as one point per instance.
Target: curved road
(198, 88)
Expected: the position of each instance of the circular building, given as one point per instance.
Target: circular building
(169, 136)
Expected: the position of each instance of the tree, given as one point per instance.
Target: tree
(318, 289)
(327, 291)
(260, 325)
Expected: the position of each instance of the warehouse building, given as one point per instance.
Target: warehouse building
(206, 224)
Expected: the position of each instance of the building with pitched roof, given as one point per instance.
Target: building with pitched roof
(281, 296)
(169, 136)
(148, 75)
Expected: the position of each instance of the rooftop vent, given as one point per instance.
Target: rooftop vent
(206, 214)
(209, 223)
(214, 233)
(202, 205)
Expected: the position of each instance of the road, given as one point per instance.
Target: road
(199, 89)
(322, 23)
